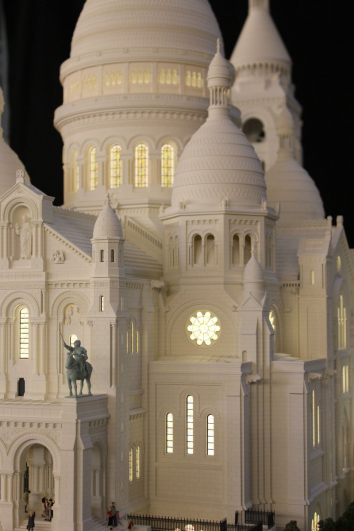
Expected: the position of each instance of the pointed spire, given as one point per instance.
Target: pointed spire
(259, 4)
(220, 80)
(2, 103)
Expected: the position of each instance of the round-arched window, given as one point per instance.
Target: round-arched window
(254, 130)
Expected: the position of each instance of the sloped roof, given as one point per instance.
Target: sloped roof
(77, 228)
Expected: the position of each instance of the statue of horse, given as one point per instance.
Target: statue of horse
(73, 374)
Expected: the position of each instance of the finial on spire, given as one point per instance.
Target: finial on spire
(218, 46)
(108, 200)
(20, 176)
(253, 251)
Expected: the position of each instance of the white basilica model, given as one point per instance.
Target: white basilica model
(216, 310)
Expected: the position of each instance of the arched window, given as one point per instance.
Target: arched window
(141, 165)
(132, 336)
(101, 255)
(197, 249)
(72, 339)
(131, 464)
(210, 250)
(342, 325)
(176, 253)
(112, 255)
(235, 260)
(137, 462)
(74, 171)
(167, 166)
(345, 378)
(169, 433)
(210, 435)
(190, 424)
(170, 251)
(315, 521)
(273, 318)
(115, 166)
(24, 333)
(247, 249)
(316, 420)
(93, 166)
(137, 340)
(102, 303)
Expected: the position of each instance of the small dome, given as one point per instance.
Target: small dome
(107, 225)
(9, 161)
(117, 26)
(219, 163)
(259, 41)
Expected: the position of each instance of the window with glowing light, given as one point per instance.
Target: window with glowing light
(190, 424)
(210, 435)
(93, 169)
(137, 462)
(315, 521)
(342, 325)
(24, 334)
(115, 166)
(204, 328)
(102, 303)
(316, 420)
(339, 263)
(167, 166)
(345, 379)
(141, 165)
(169, 433)
(131, 464)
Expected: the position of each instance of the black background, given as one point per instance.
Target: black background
(318, 35)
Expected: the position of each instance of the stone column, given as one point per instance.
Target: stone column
(3, 332)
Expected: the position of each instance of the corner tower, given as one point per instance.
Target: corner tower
(264, 83)
(134, 93)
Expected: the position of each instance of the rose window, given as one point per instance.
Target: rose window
(204, 328)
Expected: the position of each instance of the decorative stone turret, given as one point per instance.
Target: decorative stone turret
(264, 83)
(253, 279)
(288, 183)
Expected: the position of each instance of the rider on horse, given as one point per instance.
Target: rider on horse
(80, 355)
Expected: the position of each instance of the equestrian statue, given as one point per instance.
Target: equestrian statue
(77, 367)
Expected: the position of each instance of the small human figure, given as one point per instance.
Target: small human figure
(80, 355)
(30, 524)
(43, 506)
(47, 510)
(113, 511)
(51, 503)
(26, 498)
(110, 518)
(75, 318)
(25, 234)
(130, 525)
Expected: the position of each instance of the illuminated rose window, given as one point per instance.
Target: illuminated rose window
(204, 328)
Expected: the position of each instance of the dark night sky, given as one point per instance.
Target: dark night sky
(317, 34)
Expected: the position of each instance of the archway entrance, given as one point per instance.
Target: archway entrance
(36, 473)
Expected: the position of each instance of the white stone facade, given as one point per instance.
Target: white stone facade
(217, 313)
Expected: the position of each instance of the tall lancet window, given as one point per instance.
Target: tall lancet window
(131, 464)
(190, 424)
(93, 167)
(115, 166)
(141, 165)
(210, 435)
(167, 166)
(24, 333)
(342, 325)
(169, 433)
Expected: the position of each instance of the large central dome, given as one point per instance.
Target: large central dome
(118, 25)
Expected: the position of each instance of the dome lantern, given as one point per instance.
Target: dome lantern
(219, 165)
